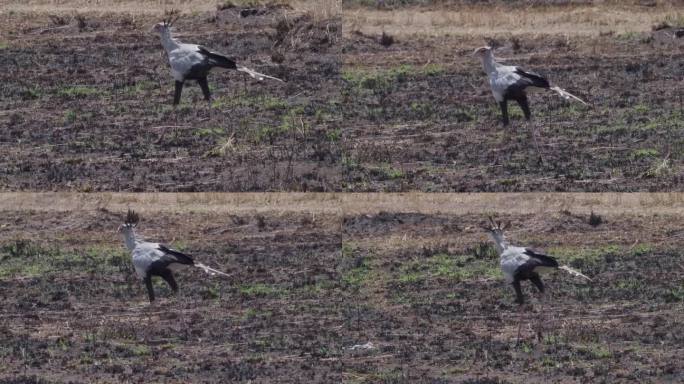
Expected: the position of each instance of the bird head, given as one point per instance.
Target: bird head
(495, 228)
(170, 17)
(130, 222)
(482, 52)
(160, 28)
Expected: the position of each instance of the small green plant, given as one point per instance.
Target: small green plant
(213, 292)
(386, 171)
(32, 93)
(356, 276)
(139, 87)
(600, 352)
(643, 153)
(642, 249)
(265, 133)
(78, 91)
(259, 290)
(333, 135)
(348, 249)
(629, 35)
(273, 103)
(641, 109)
(140, 350)
(209, 132)
(674, 295)
(483, 250)
(349, 163)
(70, 116)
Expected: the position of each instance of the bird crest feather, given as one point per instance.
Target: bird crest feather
(132, 218)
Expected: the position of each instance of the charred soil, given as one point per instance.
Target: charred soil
(87, 104)
(391, 297)
(420, 116)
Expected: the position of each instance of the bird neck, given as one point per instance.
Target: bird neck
(168, 41)
(130, 239)
(488, 62)
(501, 242)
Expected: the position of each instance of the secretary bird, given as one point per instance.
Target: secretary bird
(509, 82)
(154, 259)
(518, 264)
(193, 62)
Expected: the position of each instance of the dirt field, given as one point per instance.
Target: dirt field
(339, 287)
(419, 113)
(87, 102)
(86, 99)
(423, 288)
(431, 297)
(73, 311)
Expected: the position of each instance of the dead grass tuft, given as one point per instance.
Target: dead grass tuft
(583, 20)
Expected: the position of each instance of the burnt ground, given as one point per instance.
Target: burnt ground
(425, 290)
(432, 299)
(86, 104)
(73, 311)
(419, 114)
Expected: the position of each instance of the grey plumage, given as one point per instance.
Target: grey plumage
(194, 62)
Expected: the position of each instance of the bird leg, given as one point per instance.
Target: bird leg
(540, 326)
(520, 301)
(536, 280)
(167, 275)
(205, 88)
(150, 290)
(504, 112)
(518, 292)
(522, 101)
(536, 142)
(520, 316)
(177, 94)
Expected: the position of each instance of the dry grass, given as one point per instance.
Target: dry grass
(479, 21)
(144, 7)
(352, 203)
(318, 8)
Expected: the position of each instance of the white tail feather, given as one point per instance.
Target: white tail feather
(567, 95)
(255, 74)
(574, 272)
(210, 270)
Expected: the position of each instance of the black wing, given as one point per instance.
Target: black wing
(540, 260)
(218, 59)
(173, 256)
(531, 78)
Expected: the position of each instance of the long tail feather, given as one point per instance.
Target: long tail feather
(210, 270)
(567, 95)
(255, 74)
(574, 272)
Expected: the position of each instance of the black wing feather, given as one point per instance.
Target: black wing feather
(540, 259)
(173, 256)
(218, 59)
(531, 78)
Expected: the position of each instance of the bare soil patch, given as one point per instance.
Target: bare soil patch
(423, 289)
(430, 295)
(419, 114)
(86, 103)
(72, 310)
